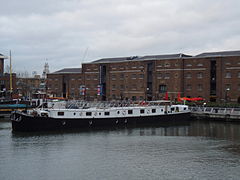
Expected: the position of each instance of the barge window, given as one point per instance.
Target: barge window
(60, 113)
(130, 111)
(153, 110)
(142, 111)
(172, 109)
(88, 113)
(106, 113)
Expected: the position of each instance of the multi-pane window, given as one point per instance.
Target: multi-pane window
(134, 87)
(141, 76)
(189, 87)
(199, 87)
(122, 76)
(199, 75)
(189, 75)
(134, 76)
(159, 75)
(238, 74)
(228, 75)
(113, 77)
(162, 88)
(167, 76)
(167, 64)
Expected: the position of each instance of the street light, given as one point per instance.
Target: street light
(226, 94)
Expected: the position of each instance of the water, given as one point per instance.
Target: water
(197, 150)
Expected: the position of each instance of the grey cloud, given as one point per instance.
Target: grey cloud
(62, 30)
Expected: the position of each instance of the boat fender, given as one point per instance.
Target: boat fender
(116, 121)
(63, 123)
(90, 122)
(124, 113)
(12, 116)
(95, 113)
(125, 121)
(19, 119)
(148, 111)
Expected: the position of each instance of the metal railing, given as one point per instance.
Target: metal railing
(215, 110)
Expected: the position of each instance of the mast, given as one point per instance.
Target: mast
(11, 88)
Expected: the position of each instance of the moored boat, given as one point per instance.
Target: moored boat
(52, 118)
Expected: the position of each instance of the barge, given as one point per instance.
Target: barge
(75, 117)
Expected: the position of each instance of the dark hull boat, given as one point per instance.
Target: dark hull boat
(65, 119)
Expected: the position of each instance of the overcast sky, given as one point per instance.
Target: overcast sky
(70, 32)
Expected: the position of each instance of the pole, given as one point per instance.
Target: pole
(11, 88)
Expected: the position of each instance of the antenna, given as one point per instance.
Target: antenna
(85, 54)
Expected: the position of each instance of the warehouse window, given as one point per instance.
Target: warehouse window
(228, 75)
(189, 87)
(162, 88)
(200, 87)
(199, 75)
(188, 75)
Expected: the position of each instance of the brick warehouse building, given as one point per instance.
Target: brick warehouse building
(213, 76)
(65, 83)
(5, 80)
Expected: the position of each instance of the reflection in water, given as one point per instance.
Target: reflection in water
(190, 150)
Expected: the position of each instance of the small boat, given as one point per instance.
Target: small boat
(74, 116)
(7, 107)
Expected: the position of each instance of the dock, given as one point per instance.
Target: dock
(216, 113)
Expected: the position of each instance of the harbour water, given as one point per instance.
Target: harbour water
(193, 150)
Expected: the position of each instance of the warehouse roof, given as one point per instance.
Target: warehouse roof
(68, 71)
(141, 58)
(219, 54)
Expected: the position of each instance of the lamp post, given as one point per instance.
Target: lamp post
(146, 95)
(226, 94)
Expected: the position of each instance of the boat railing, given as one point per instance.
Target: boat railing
(73, 104)
(215, 110)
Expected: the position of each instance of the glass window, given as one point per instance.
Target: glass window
(167, 64)
(141, 76)
(162, 88)
(130, 111)
(113, 77)
(199, 75)
(167, 76)
(189, 87)
(134, 76)
(88, 113)
(159, 75)
(60, 113)
(228, 75)
(106, 113)
(142, 111)
(200, 87)
(189, 75)
(121, 76)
